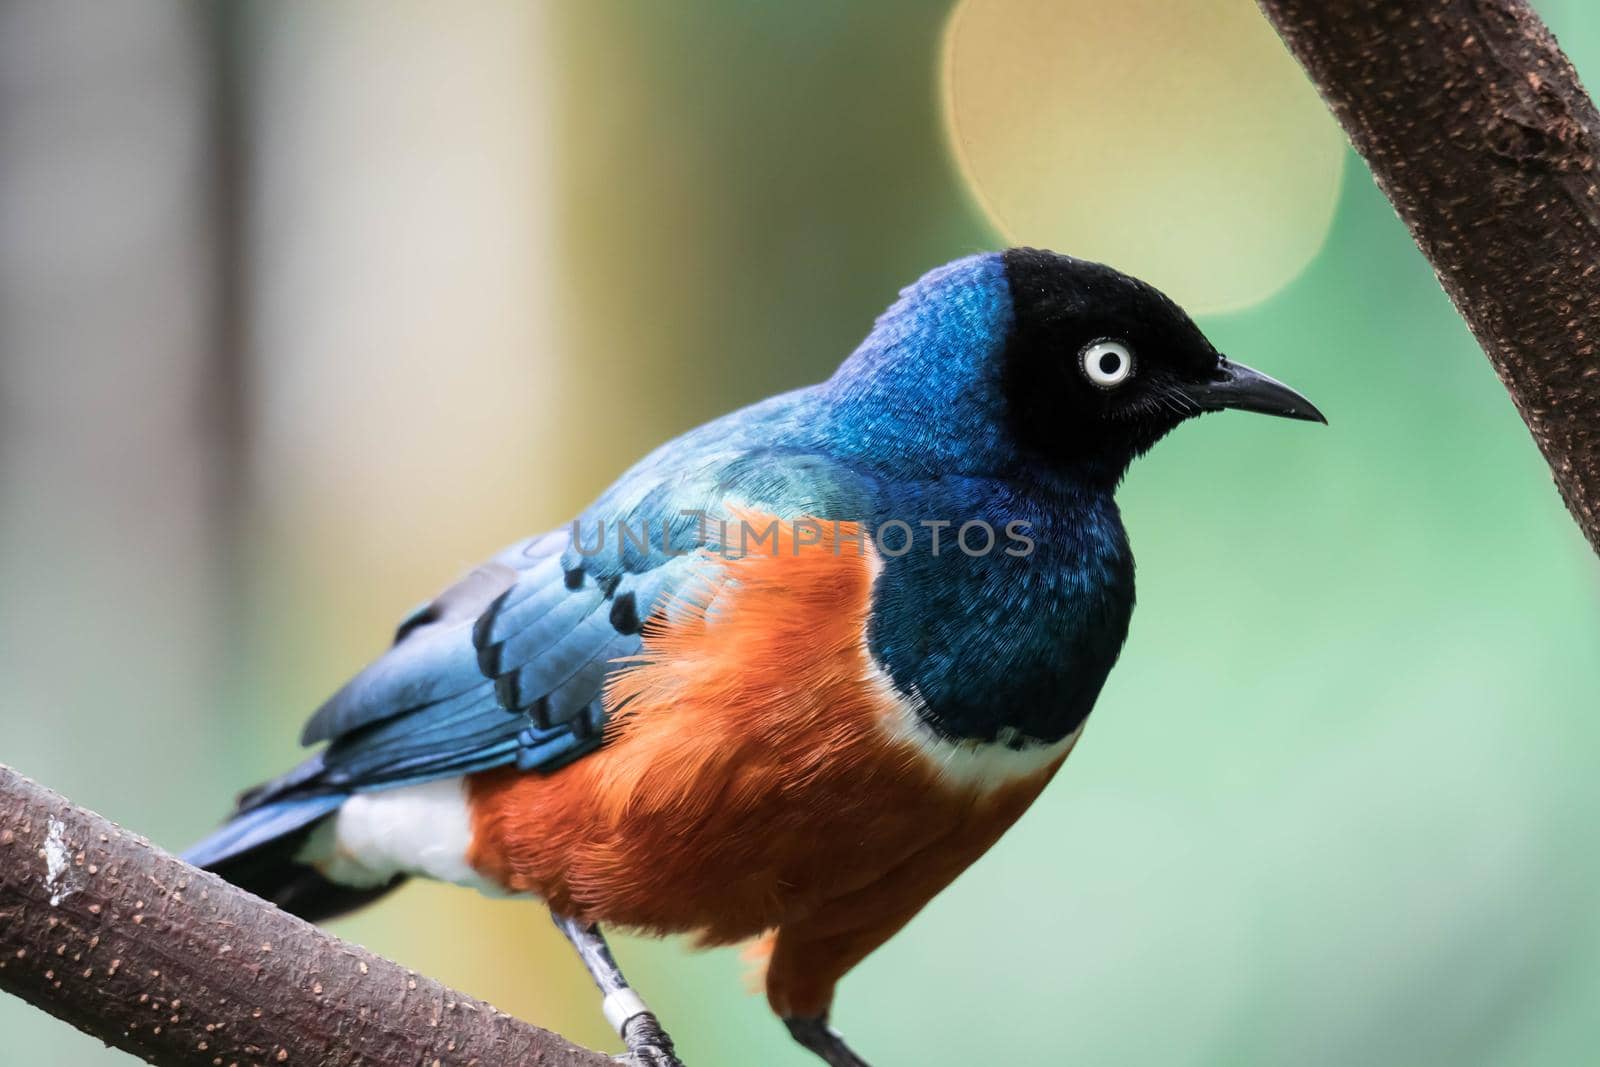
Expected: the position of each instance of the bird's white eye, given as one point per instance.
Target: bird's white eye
(1107, 363)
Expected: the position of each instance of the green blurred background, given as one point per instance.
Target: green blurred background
(306, 307)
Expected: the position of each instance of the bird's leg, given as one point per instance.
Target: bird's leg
(648, 1044)
(815, 1034)
(807, 960)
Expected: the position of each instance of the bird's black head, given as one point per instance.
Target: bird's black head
(1099, 366)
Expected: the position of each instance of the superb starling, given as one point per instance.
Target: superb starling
(791, 673)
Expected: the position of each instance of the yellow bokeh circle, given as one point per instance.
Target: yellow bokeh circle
(1174, 139)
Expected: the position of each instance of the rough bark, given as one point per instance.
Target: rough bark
(1477, 129)
(109, 933)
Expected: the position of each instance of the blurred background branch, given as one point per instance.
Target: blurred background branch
(133, 946)
(1477, 129)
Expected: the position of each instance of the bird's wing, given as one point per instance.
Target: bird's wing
(508, 665)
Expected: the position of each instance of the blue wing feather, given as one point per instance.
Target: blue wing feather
(536, 592)
(525, 646)
(260, 825)
(509, 665)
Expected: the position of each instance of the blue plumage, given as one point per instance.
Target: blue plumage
(922, 396)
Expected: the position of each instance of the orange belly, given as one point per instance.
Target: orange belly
(751, 777)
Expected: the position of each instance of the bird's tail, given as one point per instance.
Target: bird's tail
(257, 849)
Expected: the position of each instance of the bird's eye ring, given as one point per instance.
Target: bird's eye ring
(1107, 363)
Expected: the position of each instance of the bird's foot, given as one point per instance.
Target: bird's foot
(647, 1056)
(648, 1044)
(815, 1034)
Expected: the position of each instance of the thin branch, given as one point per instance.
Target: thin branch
(109, 933)
(1477, 129)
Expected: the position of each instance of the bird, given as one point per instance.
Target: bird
(791, 673)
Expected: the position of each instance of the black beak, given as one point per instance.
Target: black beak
(1233, 385)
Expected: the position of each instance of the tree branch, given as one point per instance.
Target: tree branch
(109, 933)
(1477, 129)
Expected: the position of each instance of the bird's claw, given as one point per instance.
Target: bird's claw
(648, 1043)
(814, 1033)
(650, 1056)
